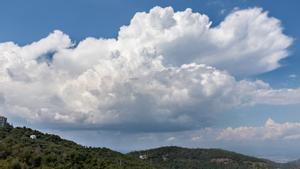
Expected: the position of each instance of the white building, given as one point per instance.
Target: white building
(33, 137)
(143, 156)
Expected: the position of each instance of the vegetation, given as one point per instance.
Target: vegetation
(185, 158)
(19, 151)
(47, 151)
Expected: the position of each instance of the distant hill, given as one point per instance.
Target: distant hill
(19, 151)
(24, 148)
(186, 158)
(292, 165)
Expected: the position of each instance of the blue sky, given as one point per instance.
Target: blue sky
(24, 22)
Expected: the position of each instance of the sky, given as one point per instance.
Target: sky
(131, 75)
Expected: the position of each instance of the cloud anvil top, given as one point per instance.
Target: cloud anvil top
(166, 70)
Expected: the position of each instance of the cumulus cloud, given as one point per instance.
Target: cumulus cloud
(247, 42)
(270, 131)
(166, 71)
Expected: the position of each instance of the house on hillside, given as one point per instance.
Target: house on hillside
(3, 121)
(33, 137)
(143, 157)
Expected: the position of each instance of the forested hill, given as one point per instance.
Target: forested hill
(185, 158)
(24, 148)
(46, 151)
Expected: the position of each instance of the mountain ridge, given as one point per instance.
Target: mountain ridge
(194, 158)
(24, 148)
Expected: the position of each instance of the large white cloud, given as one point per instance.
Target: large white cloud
(156, 75)
(247, 42)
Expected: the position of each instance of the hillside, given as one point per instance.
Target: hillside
(47, 151)
(292, 165)
(19, 151)
(185, 158)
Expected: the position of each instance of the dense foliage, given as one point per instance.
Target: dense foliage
(184, 158)
(19, 151)
(47, 151)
